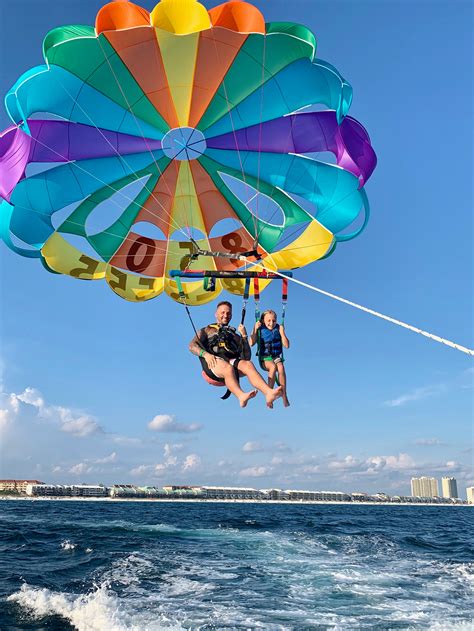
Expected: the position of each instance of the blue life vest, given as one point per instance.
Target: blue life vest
(270, 342)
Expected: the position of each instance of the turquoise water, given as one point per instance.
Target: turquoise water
(150, 566)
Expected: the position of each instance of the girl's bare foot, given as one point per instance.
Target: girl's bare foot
(272, 395)
(246, 397)
(286, 403)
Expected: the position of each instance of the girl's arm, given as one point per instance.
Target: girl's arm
(284, 339)
(253, 336)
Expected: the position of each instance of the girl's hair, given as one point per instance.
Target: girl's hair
(262, 317)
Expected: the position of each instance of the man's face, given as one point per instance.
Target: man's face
(223, 315)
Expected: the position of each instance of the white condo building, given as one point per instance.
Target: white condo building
(449, 487)
(424, 487)
(470, 494)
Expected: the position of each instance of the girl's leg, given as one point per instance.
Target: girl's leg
(282, 379)
(272, 370)
(248, 369)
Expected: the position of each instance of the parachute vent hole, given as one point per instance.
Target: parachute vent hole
(224, 226)
(109, 211)
(326, 157)
(188, 233)
(84, 247)
(261, 206)
(35, 168)
(21, 244)
(148, 229)
(60, 216)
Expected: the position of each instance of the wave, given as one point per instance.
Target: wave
(95, 611)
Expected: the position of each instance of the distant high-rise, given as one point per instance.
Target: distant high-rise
(470, 494)
(449, 487)
(424, 487)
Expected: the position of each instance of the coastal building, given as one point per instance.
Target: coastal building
(318, 496)
(470, 494)
(449, 487)
(424, 487)
(16, 486)
(274, 494)
(230, 493)
(66, 490)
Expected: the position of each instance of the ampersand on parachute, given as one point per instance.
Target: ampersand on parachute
(183, 151)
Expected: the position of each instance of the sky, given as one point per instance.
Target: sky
(98, 390)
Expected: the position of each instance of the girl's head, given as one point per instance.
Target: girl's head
(269, 319)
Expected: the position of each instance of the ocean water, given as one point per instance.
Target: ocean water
(152, 566)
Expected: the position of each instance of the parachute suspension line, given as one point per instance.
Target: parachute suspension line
(229, 112)
(431, 336)
(260, 134)
(142, 135)
(182, 297)
(115, 151)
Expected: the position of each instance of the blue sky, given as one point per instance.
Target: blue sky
(85, 373)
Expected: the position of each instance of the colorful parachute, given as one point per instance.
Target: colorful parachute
(157, 128)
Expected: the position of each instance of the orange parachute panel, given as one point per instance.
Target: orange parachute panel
(120, 15)
(238, 16)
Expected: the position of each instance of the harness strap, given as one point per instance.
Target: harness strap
(246, 297)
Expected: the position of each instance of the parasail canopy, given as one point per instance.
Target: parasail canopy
(154, 133)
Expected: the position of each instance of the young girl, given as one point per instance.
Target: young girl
(272, 339)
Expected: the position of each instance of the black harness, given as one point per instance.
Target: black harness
(225, 343)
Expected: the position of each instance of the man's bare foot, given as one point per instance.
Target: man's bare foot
(272, 395)
(286, 403)
(246, 397)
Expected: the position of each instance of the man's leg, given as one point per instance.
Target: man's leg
(248, 369)
(226, 372)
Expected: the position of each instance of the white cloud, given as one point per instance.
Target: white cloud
(349, 462)
(5, 419)
(168, 424)
(252, 447)
(81, 468)
(169, 449)
(31, 396)
(141, 470)
(107, 459)
(255, 472)
(81, 426)
(191, 462)
(282, 447)
(311, 469)
(428, 442)
(416, 395)
(125, 440)
(76, 423)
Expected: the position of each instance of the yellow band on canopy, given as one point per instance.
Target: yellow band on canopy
(180, 16)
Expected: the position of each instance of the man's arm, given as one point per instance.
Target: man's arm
(196, 345)
(245, 352)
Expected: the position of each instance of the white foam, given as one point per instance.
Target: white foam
(68, 545)
(96, 611)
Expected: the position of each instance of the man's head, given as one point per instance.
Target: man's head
(224, 313)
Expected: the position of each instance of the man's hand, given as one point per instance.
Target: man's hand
(242, 330)
(211, 360)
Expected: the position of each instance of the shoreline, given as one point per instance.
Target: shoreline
(217, 501)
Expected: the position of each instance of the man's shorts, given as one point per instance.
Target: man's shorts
(276, 360)
(210, 373)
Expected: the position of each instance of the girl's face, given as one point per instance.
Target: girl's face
(269, 320)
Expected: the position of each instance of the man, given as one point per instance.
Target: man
(223, 353)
